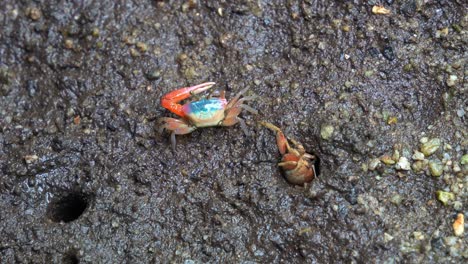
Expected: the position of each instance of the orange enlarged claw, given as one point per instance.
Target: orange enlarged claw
(297, 165)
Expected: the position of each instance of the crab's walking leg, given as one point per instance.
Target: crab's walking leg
(171, 100)
(234, 108)
(281, 140)
(237, 102)
(288, 165)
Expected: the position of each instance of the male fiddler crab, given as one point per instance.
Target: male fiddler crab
(298, 166)
(208, 112)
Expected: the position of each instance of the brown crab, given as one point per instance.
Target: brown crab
(297, 165)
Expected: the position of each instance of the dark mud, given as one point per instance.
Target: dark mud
(85, 176)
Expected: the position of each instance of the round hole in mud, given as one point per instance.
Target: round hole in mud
(67, 208)
(70, 258)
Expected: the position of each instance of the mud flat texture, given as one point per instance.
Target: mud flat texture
(86, 177)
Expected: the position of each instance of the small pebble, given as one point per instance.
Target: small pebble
(134, 52)
(418, 235)
(326, 131)
(436, 168)
(364, 167)
(392, 120)
(396, 155)
(387, 160)
(190, 4)
(464, 159)
(30, 158)
(380, 10)
(403, 164)
(445, 197)
(249, 67)
(452, 80)
(142, 47)
(95, 32)
(430, 146)
(34, 13)
(417, 155)
(68, 44)
(373, 164)
(397, 199)
(459, 225)
(442, 32)
(369, 73)
(153, 75)
(387, 237)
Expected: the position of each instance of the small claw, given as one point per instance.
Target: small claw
(171, 123)
(177, 126)
(171, 100)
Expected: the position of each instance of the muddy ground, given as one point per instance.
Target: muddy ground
(86, 177)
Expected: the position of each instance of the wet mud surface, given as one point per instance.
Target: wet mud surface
(86, 177)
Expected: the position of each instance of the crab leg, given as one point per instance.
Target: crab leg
(288, 165)
(281, 140)
(234, 108)
(249, 108)
(171, 100)
(234, 100)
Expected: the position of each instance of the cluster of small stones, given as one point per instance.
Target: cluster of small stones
(422, 161)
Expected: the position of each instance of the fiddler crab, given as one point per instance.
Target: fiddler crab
(208, 112)
(298, 166)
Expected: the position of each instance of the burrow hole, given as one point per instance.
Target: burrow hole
(70, 257)
(68, 207)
